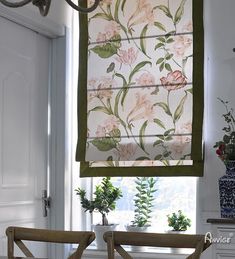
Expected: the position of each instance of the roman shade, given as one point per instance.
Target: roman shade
(140, 89)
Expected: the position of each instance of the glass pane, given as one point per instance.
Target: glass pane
(173, 194)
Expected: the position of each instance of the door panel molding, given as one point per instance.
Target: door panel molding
(18, 117)
(15, 203)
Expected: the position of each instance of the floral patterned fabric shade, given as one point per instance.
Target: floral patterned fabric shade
(140, 92)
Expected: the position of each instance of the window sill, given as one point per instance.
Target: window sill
(156, 253)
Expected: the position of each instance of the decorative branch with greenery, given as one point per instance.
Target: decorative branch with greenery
(143, 201)
(178, 221)
(225, 148)
(105, 197)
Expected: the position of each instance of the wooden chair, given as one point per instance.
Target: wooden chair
(17, 234)
(115, 240)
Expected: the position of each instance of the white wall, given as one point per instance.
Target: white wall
(219, 20)
(59, 17)
(60, 12)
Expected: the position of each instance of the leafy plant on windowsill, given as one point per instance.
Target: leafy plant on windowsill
(143, 201)
(178, 221)
(105, 197)
(225, 148)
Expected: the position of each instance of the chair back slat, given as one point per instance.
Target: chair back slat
(82, 246)
(17, 234)
(23, 248)
(201, 246)
(45, 235)
(115, 240)
(123, 252)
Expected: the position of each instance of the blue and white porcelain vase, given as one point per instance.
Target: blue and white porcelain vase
(227, 191)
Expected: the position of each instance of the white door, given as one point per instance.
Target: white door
(24, 80)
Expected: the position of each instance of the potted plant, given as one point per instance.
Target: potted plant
(178, 221)
(104, 201)
(143, 203)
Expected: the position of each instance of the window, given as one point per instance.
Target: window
(173, 193)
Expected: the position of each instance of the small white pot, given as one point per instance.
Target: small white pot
(130, 228)
(136, 229)
(99, 232)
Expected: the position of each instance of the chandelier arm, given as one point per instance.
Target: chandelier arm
(15, 5)
(44, 6)
(83, 9)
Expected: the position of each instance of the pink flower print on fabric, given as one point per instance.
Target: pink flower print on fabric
(143, 109)
(127, 57)
(174, 80)
(111, 123)
(188, 27)
(181, 142)
(146, 79)
(102, 38)
(126, 151)
(112, 29)
(143, 14)
(101, 88)
(100, 132)
(181, 45)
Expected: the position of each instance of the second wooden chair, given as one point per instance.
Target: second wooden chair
(115, 240)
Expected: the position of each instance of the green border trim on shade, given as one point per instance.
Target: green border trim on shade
(198, 102)
(82, 88)
(198, 80)
(188, 170)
